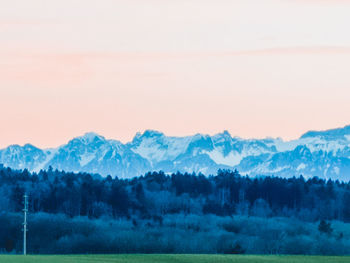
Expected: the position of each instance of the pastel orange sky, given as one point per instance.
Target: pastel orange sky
(256, 68)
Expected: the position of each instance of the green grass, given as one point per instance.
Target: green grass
(138, 258)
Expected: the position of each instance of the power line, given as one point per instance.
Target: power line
(25, 210)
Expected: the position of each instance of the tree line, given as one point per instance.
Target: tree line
(157, 194)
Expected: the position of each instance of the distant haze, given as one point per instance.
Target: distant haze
(256, 68)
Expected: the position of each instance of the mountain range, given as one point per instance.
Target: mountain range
(325, 154)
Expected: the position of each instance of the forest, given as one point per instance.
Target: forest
(174, 213)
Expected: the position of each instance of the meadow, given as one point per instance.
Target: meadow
(170, 258)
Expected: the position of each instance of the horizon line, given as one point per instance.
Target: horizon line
(174, 136)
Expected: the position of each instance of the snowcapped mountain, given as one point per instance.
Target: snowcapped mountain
(317, 153)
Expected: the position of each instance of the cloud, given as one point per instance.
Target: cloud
(13, 23)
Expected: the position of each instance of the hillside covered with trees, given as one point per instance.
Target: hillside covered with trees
(177, 213)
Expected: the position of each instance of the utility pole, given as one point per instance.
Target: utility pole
(25, 210)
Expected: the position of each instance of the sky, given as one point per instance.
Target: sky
(257, 68)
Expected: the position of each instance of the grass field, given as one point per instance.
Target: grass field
(170, 259)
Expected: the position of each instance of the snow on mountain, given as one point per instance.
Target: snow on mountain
(21, 157)
(155, 146)
(333, 134)
(317, 153)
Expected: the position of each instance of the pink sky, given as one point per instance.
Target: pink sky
(254, 68)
